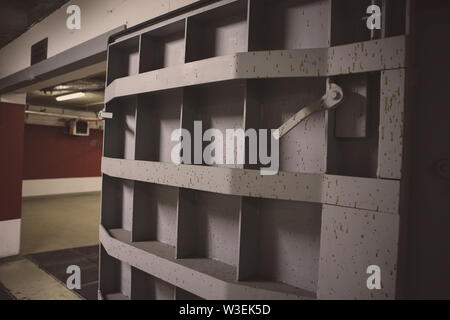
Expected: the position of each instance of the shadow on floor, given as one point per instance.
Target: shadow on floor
(5, 294)
(56, 263)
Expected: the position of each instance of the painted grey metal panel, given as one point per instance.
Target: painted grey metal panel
(392, 98)
(351, 241)
(226, 231)
(387, 54)
(205, 278)
(354, 192)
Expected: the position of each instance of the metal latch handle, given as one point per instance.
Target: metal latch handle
(332, 97)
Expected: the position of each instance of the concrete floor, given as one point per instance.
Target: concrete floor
(25, 281)
(50, 224)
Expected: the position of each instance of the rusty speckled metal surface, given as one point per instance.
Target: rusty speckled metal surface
(226, 231)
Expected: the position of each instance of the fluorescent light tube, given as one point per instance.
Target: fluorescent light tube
(71, 96)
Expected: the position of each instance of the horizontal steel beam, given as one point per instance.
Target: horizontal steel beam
(377, 195)
(389, 53)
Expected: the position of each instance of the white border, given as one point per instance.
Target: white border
(50, 187)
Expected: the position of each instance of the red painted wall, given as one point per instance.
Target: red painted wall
(49, 153)
(12, 118)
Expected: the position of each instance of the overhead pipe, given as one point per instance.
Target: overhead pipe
(62, 116)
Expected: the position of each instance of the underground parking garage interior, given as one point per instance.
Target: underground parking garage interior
(200, 150)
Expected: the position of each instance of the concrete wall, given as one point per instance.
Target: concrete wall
(97, 17)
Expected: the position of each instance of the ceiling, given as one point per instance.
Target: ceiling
(93, 87)
(16, 16)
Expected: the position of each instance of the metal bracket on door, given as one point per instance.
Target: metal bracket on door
(330, 100)
(105, 115)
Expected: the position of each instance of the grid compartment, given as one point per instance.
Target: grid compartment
(163, 47)
(147, 287)
(115, 283)
(348, 26)
(117, 204)
(155, 213)
(280, 242)
(218, 106)
(395, 18)
(208, 226)
(271, 102)
(288, 24)
(158, 115)
(353, 133)
(217, 32)
(123, 59)
(120, 131)
(181, 294)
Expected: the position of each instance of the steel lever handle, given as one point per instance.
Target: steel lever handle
(332, 97)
